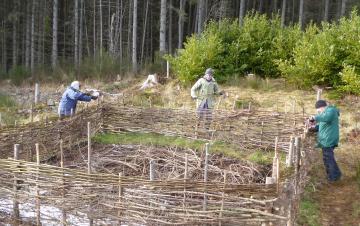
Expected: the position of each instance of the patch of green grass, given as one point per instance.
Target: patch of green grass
(7, 108)
(309, 212)
(261, 157)
(6, 101)
(356, 209)
(358, 174)
(217, 147)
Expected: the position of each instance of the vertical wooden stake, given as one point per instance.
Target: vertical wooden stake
(249, 106)
(38, 223)
(16, 210)
(63, 181)
(290, 157)
(318, 95)
(61, 154)
(297, 160)
(206, 174)
(120, 196)
(234, 104)
(276, 165)
(71, 112)
(222, 200)
(261, 133)
(37, 93)
(185, 178)
(91, 221)
(31, 113)
(89, 147)
(0, 120)
(152, 170)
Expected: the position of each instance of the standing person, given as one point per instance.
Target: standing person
(327, 126)
(69, 99)
(204, 92)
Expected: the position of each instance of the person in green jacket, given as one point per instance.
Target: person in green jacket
(204, 92)
(327, 126)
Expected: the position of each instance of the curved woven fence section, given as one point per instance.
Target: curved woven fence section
(234, 192)
(48, 135)
(248, 129)
(134, 199)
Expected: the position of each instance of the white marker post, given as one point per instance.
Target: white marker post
(37, 93)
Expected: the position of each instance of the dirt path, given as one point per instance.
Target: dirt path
(340, 203)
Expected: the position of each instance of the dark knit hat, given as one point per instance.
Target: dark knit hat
(320, 103)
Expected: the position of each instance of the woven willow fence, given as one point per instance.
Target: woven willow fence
(250, 130)
(184, 188)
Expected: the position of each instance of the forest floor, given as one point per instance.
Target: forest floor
(336, 204)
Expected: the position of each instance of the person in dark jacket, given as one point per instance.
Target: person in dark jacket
(69, 99)
(327, 126)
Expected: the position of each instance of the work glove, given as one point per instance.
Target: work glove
(312, 119)
(313, 129)
(94, 97)
(222, 92)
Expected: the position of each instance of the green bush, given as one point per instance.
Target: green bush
(322, 55)
(232, 50)
(350, 80)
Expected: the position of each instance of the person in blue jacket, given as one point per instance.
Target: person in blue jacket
(69, 99)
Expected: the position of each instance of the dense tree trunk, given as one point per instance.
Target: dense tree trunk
(181, 23)
(129, 30)
(32, 35)
(343, 8)
(200, 16)
(32, 48)
(261, 6)
(134, 37)
(54, 51)
(223, 10)
(144, 31)
(4, 52)
(275, 6)
(283, 13)
(81, 21)
(101, 29)
(14, 36)
(121, 11)
(163, 28)
(94, 29)
(170, 28)
(326, 10)
(242, 12)
(76, 35)
(28, 35)
(301, 14)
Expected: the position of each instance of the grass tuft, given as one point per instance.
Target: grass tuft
(309, 213)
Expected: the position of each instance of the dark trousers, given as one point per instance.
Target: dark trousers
(332, 169)
(204, 114)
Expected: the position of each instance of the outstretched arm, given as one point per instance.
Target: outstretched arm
(84, 97)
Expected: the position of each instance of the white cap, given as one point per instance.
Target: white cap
(75, 85)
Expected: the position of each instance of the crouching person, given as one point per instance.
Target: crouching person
(69, 99)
